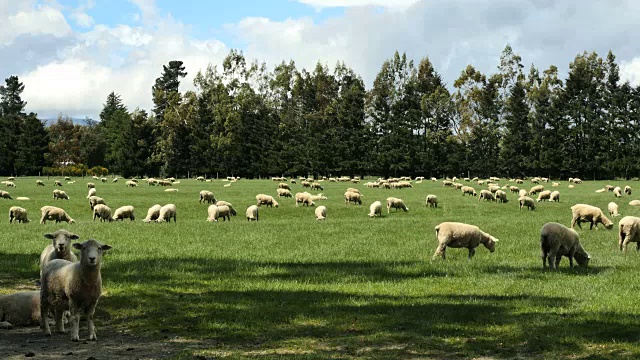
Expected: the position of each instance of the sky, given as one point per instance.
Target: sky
(71, 54)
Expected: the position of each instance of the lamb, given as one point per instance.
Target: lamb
(213, 213)
(613, 209)
(375, 209)
(486, 195)
(557, 240)
(431, 201)
(55, 213)
(501, 196)
(5, 195)
(321, 213)
(634, 202)
(39, 183)
(124, 212)
(91, 185)
(153, 213)
(316, 186)
(73, 286)
(267, 200)
(284, 186)
(20, 309)
(131, 183)
(528, 202)
(304, 198)
(544, 195)
(617, 191)
(629, 231)
(207, 197)
(57, 183)
(103, 212)
(284, 193)
(94, 200)
(166, 213)
(536, 189)
(460, 235)
(252, 213)
(60, 248)
(224, 212)
(627, 190)
(555, 196)
(468, 190)
(352, 197)
(396, 203)
(92, 192)
(18, 214)
(61, 195)
(591, 214)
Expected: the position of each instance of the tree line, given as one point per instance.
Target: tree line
(246, 120)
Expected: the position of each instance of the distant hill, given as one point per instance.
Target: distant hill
(76, 121)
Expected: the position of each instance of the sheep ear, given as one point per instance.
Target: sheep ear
(77, 246)
(74, 237)
(105, 247)
(495, 240)
(49, 236)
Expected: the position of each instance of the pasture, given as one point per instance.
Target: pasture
(350, 287)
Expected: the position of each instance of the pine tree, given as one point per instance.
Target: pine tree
(31, 146)
(516, 148)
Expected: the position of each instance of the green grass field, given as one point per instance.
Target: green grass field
(350, 287)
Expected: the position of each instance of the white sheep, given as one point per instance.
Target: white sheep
(629, 231)
(130, 183)
(212, 213)
(54, 213)
(20, 309)
(321, 213)
(627, 190)
(304, 198)
(544, 195)
(224, 203)
(39, 183)
(91, 185)
(501, 196)
(60, 247)
(166, 213)
(284, 186)
(171, 190)
(284, 193)
(73, 286)
(5, 195)
(468, 190)
(591, 214)
(486, 195)
(224, 212)
(634, 202)
(571, 186)
(431, 201)
(267, 200)
(103, 212)
(375, 209)
(613, 209)
(460, 235)
(60, 195)
(18, 214)
(92, 192)
(10, 184)
(57, 183)
(207, 197)
(252, 213)
(555, 196)
(124, 212)
(352, 197)
(556, 241)
(536, 189)
(153, 213)
(95, 200)
(22, 198)
(514, 189)
(528, 202)
(316, 186)
(396, 203)
(522, 192)
(617, 192)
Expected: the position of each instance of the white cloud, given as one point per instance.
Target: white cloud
(32, 19)
(82, 19)
(319, 4)
(630, 71)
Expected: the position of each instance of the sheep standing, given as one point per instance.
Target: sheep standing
(629, 231)
(375, 209)
(557, 240)
(321, 213)
(73, 286)
(486, 195)
(54, 213)
(5, 195)
(528, 202)
(304, 198)
(501, 196)
(95, 200)
(224, 212)
(224, 203)
(316, 186)
(284, 193)
(617, 192)
(60, 195)
(431, 201)
(207, 197)
(396, 203)
(284, 186)
(103, 212)
(468, 190)
(9, 184)
(92, 192)
(124, 212)
(57, 183)
(555, 196)
(613, 209)
(252, 213)
(20, 309)
(91, 185)
(460, 235)
(591, 214)
(39, 183)
(352, 197)
(60, 247)
(153, 213)
(130, 183)
(18, 214)
(544, 195)
(213, 213)
(627, 190)
(166, 213)
(267, 200)
(536, 189)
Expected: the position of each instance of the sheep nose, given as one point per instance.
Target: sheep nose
(92, 259)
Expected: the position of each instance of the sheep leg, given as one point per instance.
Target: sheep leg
(621, 238)
(75, 321)
(92, 329)
(553, 260)
(472, 252)
(58, 317)
(44, 311)
(440, 251)
(544, 260)
(42, 220)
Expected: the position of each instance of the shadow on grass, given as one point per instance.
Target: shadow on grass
(14, 273)
(537, 272)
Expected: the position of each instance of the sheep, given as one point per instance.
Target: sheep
(39, 183)
(629, 231)
(94, 200)
(431, 201)
(522, 193)
(354, 190)
(130, 183)
(571, 186)
(599, 191)
(284, 193)
(5, 195)
(321, 213)
(557, 240)
(447, 183)
(252, 213)
(73, 286)
(396, 203)
(304, 198)
(55, 213)
(352, 197)
(468, 190)
(200, 178)
(20, 309)
(284, 186)
(555, 196)
(609, 188)
(61, 195)
(316, 186)
(613, 209)
(627, 190)
(544, 195)
(207, 197)
(224, 203)
(555, 184)
(519, 181)
(171, 190)
(124, 212)
(514, 189)
(634, 202)
(494, 188)
(57, 183)
(60, 248)
(486, 195)
(501, 196)
(18, 214)
(460, 235)
(9, 184)
(293, 181)
(306, 184)
(528, 202)
(224, 212)
(591, 214)
(22, 198)
(104, 179)
(115, 180)
(577, 181)
(103, 212)
(92, 192)
(617, 191)
(153, 213)
(166, 213)
(536, 189)
(213, 213)
(267, 200)
(375, 209)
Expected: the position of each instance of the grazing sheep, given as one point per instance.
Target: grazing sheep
(94, 200)
(528, 202)
(61, 195)
(617, 191)
(92, 192)
(599, 191)
(73, 286)
(18, 214)
(212, 213)
(536, 189)
(460, 235)
(60, 247)
(171, 190)
(115, 180)
(153, 213)
(306, 184)
(577, 181)
(486, 195)
(431, 201)
(556, 241)
(124, 212)
(304, 198)
(224, 212)
(522, 193)
(613, 209)
(591, 214)
(544, 195)
(570, 186)
(396, 203)
(352, 197)
(267, 200)
(55, 213)
(166, 213)
(252, 213)
(284, 186)
(22, 198)
(354, 190)
(634, 202)
(501, 196)
(447, 183)
(200, 178)
(9, 184)
(316, 186)
(468, 190)
(224, 203)
(20, 309)
(103, 212)
(375, 209)
(629, 231)
(519, 181)
(321, 213)
(5, 195)
(284, 193)
(555, 184)
(293, 181)
(627, 190)
(609, 188)
(39, 183)
(57, 183)
(103, 179)
(514, 189)
(555, 196)
(130, 183)
(207, 197)
(494, 188)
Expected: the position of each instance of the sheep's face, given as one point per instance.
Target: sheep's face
(91, 252)
(582, 259)
(491, 243)
(61, 240)
(608, 224)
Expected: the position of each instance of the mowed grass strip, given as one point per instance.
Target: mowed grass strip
(350, 286)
